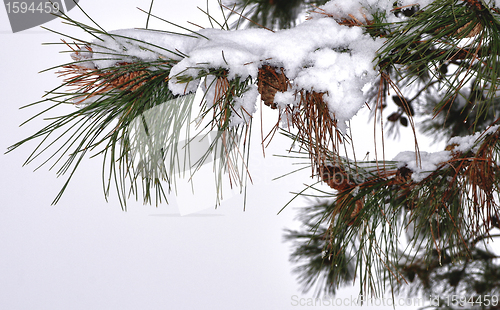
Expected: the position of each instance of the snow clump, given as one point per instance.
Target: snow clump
(321, 55)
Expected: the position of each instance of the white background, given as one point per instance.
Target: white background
(86, 253)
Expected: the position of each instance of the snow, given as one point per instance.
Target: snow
(425, 165)
(318, 55)
(285, 99)
(244, 106)
(469, 143)
(430, 162)
(130, 45)
(342, 10)
(362, 10)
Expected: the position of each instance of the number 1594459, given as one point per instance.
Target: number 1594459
(32, 7)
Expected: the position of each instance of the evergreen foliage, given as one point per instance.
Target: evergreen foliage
(422, 219)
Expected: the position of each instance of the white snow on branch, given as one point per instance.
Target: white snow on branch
(430, 162)
(131, 45)
(244, 107)
(426, 164)
(469, 143)
(285, 99)
(362, 10)
(319, 55)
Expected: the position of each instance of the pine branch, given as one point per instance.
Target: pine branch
(135, 90)
(438, 209)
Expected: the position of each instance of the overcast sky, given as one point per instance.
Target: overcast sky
(86, 253)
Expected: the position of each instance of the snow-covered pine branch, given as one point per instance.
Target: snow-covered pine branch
(319, 55)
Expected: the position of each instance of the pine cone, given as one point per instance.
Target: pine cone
(336, 177)
(270, 82)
